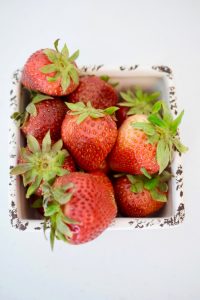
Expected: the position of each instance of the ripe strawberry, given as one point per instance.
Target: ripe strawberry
(132, 150)
(80, 207)
(42, 163)
(51, 72)
(104, 167)
(42, 115)
(121, 115)
(146, 142)
(139, 196)
(92, 88)
(89, 134)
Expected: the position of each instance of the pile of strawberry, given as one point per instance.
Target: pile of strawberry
(89, 154)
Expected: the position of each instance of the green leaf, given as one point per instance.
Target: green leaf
(175, 123)
(110, 110)
(157, 107)
(21, 169)
(105, 78)
(33, 144)
(65, 82)
(165, 176)
(56, 44)
(153, 139)
(28, 177)
(74, 56)
(68, 220)
(167, 117)
(163, 187)
(52, 237)
(144, 171)
(37, 203)
(60, 172)
(146, 127)
(31, 109)
(131, 178)
(158, 196)
(40, 97)
(46, 143)
(62, 227)
(162, 155)
(52, 209)
(61, 236)
(127, 96)
(154, 119)
(34, 186)
(51, 55)
(154, 96)
(82, 117)
(75, 106)
(57, 146)
(54, 78)
(137, 187)
(74, 75)
(179, 146)
(49, 68)
(151, 184)
(119, 175)
(65, 51)
(128, 104)
(139, 93)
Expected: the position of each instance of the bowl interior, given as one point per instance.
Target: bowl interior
(152, 81)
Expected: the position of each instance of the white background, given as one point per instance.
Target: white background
(139, 264)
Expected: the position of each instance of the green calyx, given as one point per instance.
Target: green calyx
(155, 184)
(62, 64)
(163, 131)
(86, 110)
(107, 79)
(139, 102)
(20, 118)
(53, 199)
(40, 163)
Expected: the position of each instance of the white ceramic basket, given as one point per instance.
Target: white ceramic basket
(155, 78)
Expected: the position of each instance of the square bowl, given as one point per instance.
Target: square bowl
(153, 78)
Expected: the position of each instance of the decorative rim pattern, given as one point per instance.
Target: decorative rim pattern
(118, 223)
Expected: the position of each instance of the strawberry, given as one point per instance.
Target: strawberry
(121, 115)
(51, 72)
(42, 163)
(89, 134)
(92, 88)
(146, 142)
(79, 206)
(43, 113)
(131, 151)
(141, 196)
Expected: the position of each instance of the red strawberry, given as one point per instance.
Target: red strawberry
(104, 167)
(138, 196)
(89, 134)
(48, 115)
(121, 115)
(51, 72)
(42, 163)
(92, 88)
(82, 213)
(132, 150)
(147, 142)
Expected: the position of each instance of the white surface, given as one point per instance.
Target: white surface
(152, 264)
